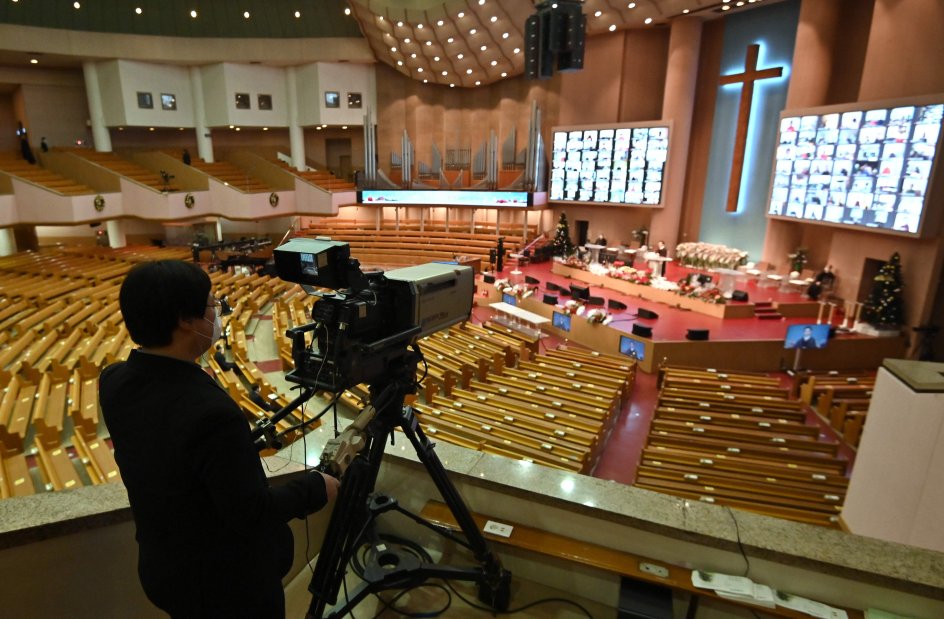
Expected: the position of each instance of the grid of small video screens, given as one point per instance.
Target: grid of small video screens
(867, 168)
(617, 166)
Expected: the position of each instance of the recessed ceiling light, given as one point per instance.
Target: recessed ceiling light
(419, 26)
(477, 83)
(612, 27)
(435, 58)
(504, 74)
(246, 14)
(517, 50)
(725, 7)
(264, 129)
(380, 17)
(483, 48)
(481, 2)
(150, 128)
(318, 128)
(393, 49)
(299, 14)
(347, 10)
(648, 20)
(631, 5)
(460, 56)
(428, 43)
(193, 13)
(473, 31)
(399, 63)
(452, 85)
(399, 24)
(598, 14)
(406, 40)
(468, 71)
(137, 10)
(494, 18)
(494, 63)
(450, 40)
(445, 72)
(34, 60)
(419, 70)
(425, 81)
(740, 4)
(77, 5)
(505, 35)
(440, 22)
(413, 55)
(344, 126)
(685, 11)
(461, 15)
(231, 126)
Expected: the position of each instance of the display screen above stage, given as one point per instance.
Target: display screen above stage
(609, 165)
(435, 197)
(863, 168)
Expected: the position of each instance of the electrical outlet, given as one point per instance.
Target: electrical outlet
(655, 570)
(497, 528)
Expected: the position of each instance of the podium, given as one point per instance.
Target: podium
(727, 281)
(594, 252)
(656, 263)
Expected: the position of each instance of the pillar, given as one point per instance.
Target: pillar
(204, 141)
(116, 233)
(296, 135)
(7, 242)
(100, 136)
(678, 104)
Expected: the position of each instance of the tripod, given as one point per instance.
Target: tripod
(358, 507)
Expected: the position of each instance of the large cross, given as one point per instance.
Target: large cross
(748, 77)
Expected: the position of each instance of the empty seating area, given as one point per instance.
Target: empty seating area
(126, 168)
(34, 173)
(739, 439)
(232, 175)
(840, 397)
(487, 389)
(322, 178)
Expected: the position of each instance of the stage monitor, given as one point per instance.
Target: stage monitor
(609, 164)
(580, 292)
(864, 166)
(806, 336)
(550, 299)
(632, 348)
(510, 299)
(561, 321)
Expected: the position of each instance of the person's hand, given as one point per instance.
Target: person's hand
(331, 486)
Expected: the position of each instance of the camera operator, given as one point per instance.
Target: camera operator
(213, 536)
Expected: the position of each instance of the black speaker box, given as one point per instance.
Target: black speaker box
(489, 279)
(697, 334)
(648, 314)
(739, 295)
(641, 330)
(550, 299)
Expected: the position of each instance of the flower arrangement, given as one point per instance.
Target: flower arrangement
(708, 294)
(518, 291)
(572, 307)
(798, 259)
(620, 271)
(575, 262)
(599, 316)
(709, 255)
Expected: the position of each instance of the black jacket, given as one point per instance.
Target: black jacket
(212, 534)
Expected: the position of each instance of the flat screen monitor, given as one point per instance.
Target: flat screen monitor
(866, 167)
(806, 336)
(510, 299)
(632, 348)
(615, 164)
(561, 321)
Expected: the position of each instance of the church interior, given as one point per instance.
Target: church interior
(699, 373)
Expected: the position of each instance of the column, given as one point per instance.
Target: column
(100, 136)
(7, 242)
(116, 233)
(678, 104)
(204, 141)
(296, 134)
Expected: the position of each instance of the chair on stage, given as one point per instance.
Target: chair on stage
(613, 304)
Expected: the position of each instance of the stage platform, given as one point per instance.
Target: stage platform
(752, 341)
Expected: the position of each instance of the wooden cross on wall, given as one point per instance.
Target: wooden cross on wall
(748, 77)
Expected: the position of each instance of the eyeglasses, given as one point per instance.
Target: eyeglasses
(216, 305)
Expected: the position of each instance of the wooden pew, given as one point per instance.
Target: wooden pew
(98, 459)
(15, 478)
(56, 468)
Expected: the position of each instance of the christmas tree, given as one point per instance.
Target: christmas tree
(563, 246)
(884, 307)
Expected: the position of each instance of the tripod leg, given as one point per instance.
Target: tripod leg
(495, 589)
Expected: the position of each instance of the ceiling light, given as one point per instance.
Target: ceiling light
(517, 50)
(344, 126)
(406, 40)
(231, 126)
(193, 14)
(505, 35)
(483, 48)
(137, 10)
(238, 129)
(477, 83)
(598, 14)
(450, 40)
(318, 128)
(725, 7)
(419, 70)
(445, 72)
(631, 5)
(468, 71)
(412, 55)
(425, 81)
(473, 31)
(399, 63)
(393, 49)
(504, 74)
(452, 85)
(246, 14)
(34, 60)
(740, 4)
(648, 20)
(481, 2)
(461, 15)
(299, 14)
(612, 27)
(419, 26)
(264, 129)
(435, 58)
(429, 43)
(150, 128)
(347, 10)
(494, 19)
(399, 24)
(77, 5)
(494, 63)
(460, 56)
(685, 12)
(440, 22)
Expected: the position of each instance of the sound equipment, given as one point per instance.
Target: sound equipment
(739, 295)
(552, 286)
(697, 334)
(595, 300)
(550, 299)
(642, 331)
(647, 314)
(489, 279)
(531, 280)
(613, 304)
(556, 32)
(580, 292)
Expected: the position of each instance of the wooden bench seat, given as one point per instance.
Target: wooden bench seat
(98, 460)
(514, 403)
(779, 425)
(15, 478)
(713, 445)
(761, 436)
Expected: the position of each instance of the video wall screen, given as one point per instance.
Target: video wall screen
(618, 165)
(867, 168)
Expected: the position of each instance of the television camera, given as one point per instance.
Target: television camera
(364, 330)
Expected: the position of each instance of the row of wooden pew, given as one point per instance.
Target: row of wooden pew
(485, 388)
(18, 168)
(841, 397)
(739, 439)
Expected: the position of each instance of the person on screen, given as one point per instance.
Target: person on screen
(213, 536)
(807, 341)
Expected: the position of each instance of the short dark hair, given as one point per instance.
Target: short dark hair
(156, 295)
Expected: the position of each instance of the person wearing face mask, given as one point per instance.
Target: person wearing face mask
(212, 535)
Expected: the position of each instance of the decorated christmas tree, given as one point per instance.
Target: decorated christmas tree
(563, 246)
(884, 307)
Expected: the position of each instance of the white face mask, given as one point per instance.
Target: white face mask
(217, 328)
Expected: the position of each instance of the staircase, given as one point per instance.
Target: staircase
(128, 169)
(765, 310)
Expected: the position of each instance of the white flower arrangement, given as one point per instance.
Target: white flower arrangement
(709, 255)
(599, 316)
